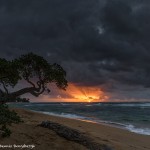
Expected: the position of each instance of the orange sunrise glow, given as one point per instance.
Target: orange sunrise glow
(85, 93)
(75, 93)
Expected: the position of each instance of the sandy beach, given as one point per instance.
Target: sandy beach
(45, 139)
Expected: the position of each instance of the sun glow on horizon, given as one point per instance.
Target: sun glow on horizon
(75, 93)
(85, 93)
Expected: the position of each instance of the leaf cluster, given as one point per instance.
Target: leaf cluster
(9, 75)
(33, 66)
(7, 117)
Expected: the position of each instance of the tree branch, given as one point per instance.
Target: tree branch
(30, 82)
(32, 90)
(4, 86)
(39, 84)
(21, 92)
(37, 92)
(1, 93)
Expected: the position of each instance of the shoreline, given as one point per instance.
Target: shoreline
(141, 126)
(129, 127)
(45, 139)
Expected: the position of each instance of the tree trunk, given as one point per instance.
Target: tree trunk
(32, 90)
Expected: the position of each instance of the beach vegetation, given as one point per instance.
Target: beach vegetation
(7, 117)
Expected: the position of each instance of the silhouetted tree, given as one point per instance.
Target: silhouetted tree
(33, 69)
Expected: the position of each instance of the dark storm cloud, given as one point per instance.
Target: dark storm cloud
(98, 42)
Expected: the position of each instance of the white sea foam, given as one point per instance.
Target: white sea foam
(133, 105)
(98, 104)
(144, 105)
(64, 104)
(73, 116)
(131, 128)
(145, 131)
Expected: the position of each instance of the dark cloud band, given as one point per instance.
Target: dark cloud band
(98, 42)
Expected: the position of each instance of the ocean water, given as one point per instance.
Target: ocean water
(134, 117)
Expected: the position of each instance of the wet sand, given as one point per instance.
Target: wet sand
(44, 139)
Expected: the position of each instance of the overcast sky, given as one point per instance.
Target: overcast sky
(100, 43)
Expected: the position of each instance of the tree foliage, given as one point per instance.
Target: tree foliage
(33, 69)
(8, 75)
(7, 117)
